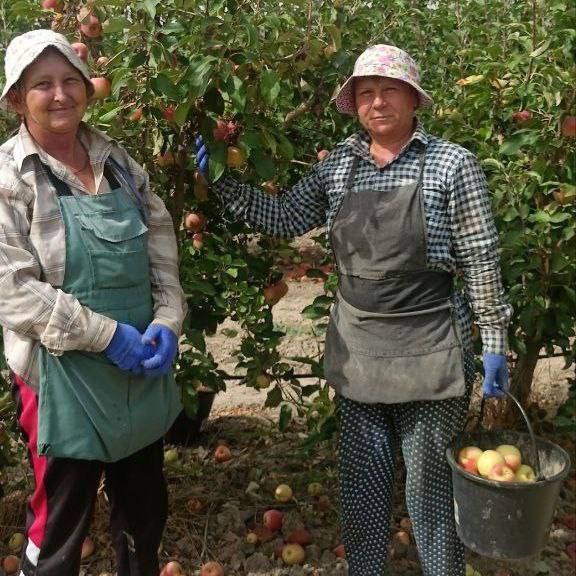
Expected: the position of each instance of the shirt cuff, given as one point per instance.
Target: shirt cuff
(494, 340)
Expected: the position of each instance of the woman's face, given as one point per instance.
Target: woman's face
(53, 97)
(386, 107)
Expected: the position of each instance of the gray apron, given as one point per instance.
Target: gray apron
(392, 335)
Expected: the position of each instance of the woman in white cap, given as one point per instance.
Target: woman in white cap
(406, 212)
(91, 308)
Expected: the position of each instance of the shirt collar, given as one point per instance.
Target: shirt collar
(359, 142)
(97, 143)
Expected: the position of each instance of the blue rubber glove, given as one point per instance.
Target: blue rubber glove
(165, 344)
(202, 157)
(495, 375)
(126, 349)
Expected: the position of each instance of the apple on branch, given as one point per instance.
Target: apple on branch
(101, 87)
(81, 50)
(275, 292)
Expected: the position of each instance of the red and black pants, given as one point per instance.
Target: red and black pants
(61, 507)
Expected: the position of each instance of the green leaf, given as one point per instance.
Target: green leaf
(269, 86)
(274, 397)
(264, 165)
(110, 115)
(163, 85)
(541, 49)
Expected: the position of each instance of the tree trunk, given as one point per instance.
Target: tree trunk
(505, 413)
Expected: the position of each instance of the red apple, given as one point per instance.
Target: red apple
(299, 536)
(315, 489)
(283, 493)
(322, 154)
(340, 551)
(487, 461)
(263, 533)
(275, 292)
(471, 467)
(81, 50)
(102, 88)
(293, 554)
(11, 564)
(87, 548)
(91, 27)
(195, 221)
(212, 569)
(169, 112)
(173, 568)
(512, 455)
(501, 473)
(222, 454)
(468, 453)
(525, 474)
(272, 519)
(568, 126)
(52, 5)
(522, 116)
(220, 132)
(136, 116)
(194, 505)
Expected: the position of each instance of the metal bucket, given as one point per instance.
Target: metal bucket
(507, 520)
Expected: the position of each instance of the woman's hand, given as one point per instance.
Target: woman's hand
(495, 375)
(126, 349)
(202, 157)
(165, 344)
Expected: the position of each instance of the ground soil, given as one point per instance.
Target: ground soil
(213, 506)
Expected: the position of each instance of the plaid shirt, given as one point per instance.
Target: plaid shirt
(462, 238)
(33, 310)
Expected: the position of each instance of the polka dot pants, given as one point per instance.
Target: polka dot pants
(370, 436)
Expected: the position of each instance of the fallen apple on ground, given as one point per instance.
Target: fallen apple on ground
(283, 493)
(173, 568)
(315, 489)
(212, 568)
(340, 551)
(252, 538)
(488, 459)
(299, 536)
(293, 554)
(10, 564)
(170, 456)
(222, 454)
(511, 454)
(16, 542)
(272, 519)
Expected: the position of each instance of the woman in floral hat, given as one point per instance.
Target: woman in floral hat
(91, 307)
(406, 212)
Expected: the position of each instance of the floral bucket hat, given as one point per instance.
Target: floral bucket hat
(381, 60)
(24, 49)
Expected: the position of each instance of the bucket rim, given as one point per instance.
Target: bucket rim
(561, 475)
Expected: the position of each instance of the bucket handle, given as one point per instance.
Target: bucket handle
(538, 469)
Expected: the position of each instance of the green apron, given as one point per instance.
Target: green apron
(89, 408)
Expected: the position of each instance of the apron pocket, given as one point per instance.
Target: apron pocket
(119, 269)
(391, 358)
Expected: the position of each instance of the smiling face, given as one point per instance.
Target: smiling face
(53, 96)
(385, 106)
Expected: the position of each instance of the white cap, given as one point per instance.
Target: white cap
(24, 49)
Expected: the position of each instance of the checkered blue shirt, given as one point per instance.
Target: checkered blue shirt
(462, 237)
